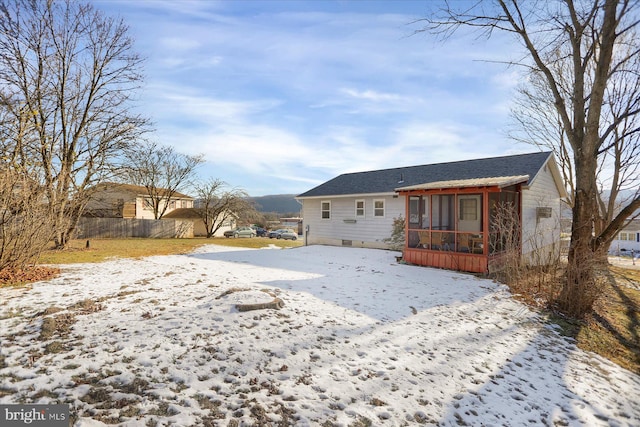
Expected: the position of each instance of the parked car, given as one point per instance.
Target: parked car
(288, 234)
(240, 232)
(273, 234)
(260, 232)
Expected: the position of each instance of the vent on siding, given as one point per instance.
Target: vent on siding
(347, 243)
(543, 212)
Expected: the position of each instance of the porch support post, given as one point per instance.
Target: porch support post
(406, 219)
(485, 222)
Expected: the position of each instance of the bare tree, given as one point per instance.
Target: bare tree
(68, 76)
(576, 51)
(161, 170)
(218, 205)
(618, 180)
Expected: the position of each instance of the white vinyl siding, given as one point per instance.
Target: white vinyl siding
(367, 231)
(541, 233)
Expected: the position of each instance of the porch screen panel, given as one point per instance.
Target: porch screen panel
(419, 212)
(414, 212)
(425, 212)
(443, 221)
(442, 212)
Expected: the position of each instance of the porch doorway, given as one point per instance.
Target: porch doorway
(470, 213)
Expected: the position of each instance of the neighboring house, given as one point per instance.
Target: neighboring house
(450, 210)
(113, 200)
(199, 229)
(627, 240)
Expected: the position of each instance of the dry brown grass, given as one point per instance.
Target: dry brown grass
(612, 330)
(102, 249)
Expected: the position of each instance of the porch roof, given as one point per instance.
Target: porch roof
(498, 181)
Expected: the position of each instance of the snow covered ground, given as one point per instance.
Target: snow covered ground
(361, 340)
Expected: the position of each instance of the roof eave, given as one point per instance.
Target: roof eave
(334, 196)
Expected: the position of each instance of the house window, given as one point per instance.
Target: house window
(378, 208)
(360, 208)
(172, 204)
(147, 203)
(468, 209)
(325, 209)
(626, 236)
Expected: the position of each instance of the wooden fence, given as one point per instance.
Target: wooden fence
(119, 228)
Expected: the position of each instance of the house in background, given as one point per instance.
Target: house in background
(114, 200)
(199, 229)
(627, 240)
(450, 210)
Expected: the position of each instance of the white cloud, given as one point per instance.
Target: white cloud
(310, 93)
(178, 43)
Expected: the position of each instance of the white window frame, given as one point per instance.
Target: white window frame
(147, 203)
(360, 211)
(376, 209)
(323, 210)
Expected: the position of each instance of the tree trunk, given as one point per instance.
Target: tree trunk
(580, 289)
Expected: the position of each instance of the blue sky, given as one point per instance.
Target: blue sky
(281, 96)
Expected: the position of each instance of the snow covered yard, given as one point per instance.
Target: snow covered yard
(361, 340)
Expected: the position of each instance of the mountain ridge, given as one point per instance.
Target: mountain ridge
(277, 203)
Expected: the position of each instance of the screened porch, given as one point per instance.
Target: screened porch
(460, 225)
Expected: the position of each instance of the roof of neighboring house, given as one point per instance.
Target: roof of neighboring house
(138, 190)
(189, 213)
(183, 213)
(634, 225)
(523, 166)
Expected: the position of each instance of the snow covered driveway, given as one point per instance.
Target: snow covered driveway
(361, 340)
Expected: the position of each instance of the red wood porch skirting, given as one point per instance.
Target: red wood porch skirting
(472, 263)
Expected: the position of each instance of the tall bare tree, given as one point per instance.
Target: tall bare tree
(163, 171)
(577, 52)
(618, 178)
(68, 75)
(218, 204)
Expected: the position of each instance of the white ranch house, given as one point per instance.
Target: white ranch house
(449, 209)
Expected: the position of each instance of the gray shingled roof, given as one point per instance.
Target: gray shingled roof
(387, 180)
